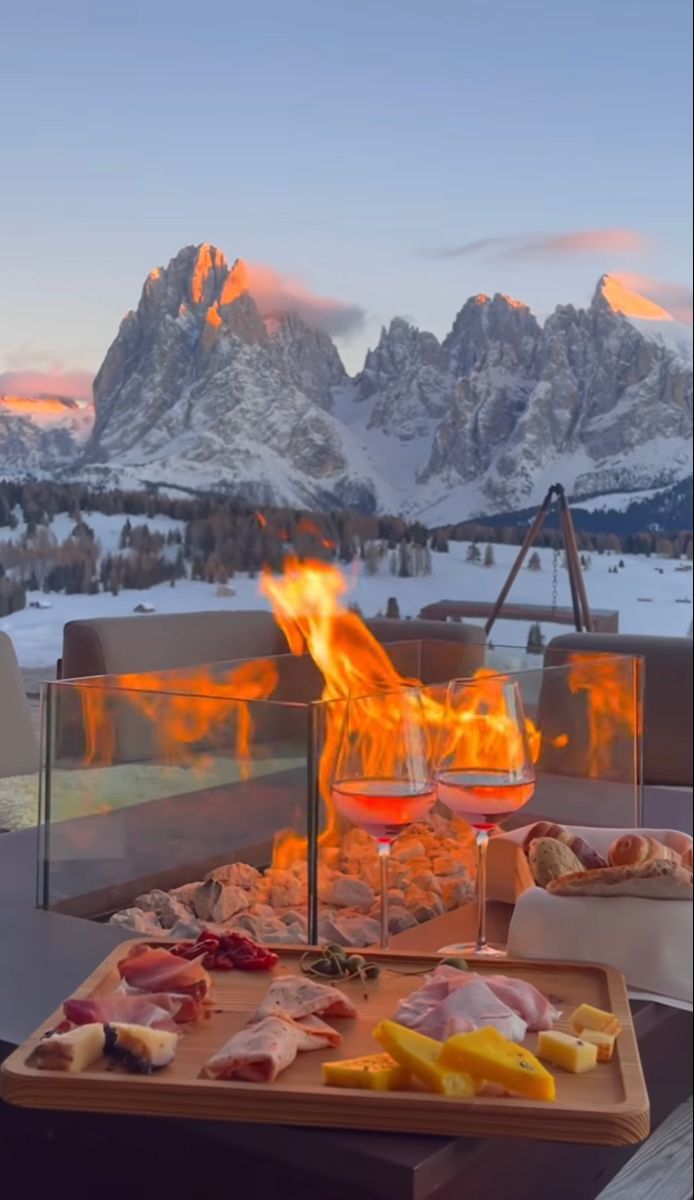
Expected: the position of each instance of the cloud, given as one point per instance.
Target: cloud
(274, 293)
(522, 247)
(675, 297)
(55, 381)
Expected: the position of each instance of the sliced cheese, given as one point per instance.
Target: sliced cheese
(588, 1017)
(572, 1053)
(603, 1041)
(72, 1051)
(375, 1072)
(419, 1055)
(487, 1055)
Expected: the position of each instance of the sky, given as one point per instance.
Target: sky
(391, 157)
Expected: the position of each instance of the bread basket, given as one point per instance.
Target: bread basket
(649, 941)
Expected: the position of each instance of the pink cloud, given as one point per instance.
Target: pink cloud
(552, 245)
(55, 381)
(274, 294)
(675, 297)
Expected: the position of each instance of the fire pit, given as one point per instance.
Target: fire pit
(201, 796)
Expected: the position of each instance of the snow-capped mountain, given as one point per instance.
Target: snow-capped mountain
(199, 388)
(41, 434)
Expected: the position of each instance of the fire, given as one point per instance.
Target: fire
(168, 702)
(612, 706)
(310, 528)
(306, 601)
(185, 708)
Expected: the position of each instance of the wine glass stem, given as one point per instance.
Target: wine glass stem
(383, 857)
(482, 838)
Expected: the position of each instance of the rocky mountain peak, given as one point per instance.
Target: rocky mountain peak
(614, 295)
(199, 386)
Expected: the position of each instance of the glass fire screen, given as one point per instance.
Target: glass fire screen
(153, 785)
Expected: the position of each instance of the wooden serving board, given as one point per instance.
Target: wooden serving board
(608, 1106)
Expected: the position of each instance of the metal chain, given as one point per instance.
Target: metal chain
(555, 580)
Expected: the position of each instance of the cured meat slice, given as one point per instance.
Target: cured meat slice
(154, 969)
(525, 999)
(261, 1051)
(452, 1001)
(302, 998)
(468, 1008)
(315, 1034)
(119, 1007)
(257, 1054)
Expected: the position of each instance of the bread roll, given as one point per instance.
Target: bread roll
(545, 829)
(656, 879)
(589, 857)
(636, 848)
(687, 859)
(550, 859)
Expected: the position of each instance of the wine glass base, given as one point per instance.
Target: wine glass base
(470, 950)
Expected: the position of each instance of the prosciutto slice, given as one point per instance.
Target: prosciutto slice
(525, 999)
(452, 1001)
(260, 1052)
(464, 1009)
(299, 997)
(159, 1010)
(154, 969)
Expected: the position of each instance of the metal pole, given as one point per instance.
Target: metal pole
(570, 538)
(527, 543)
(571, 568)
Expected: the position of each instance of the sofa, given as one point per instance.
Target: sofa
(19, 752)
(153, 642)
(667, 697)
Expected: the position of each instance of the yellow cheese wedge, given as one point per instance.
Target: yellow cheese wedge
(487, 1054)
(604, 1042)
(587, 1017)
(377, 1072)
(420, 1056)
(572, 1053)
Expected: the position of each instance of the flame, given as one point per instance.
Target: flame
(307, 603)
(167, 700)
(513, 303)
(261, 519)
(310, 528)
(212, 317)
(186, 707)
(613, 710)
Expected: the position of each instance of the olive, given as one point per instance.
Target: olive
(323, 966)
(335, 950)
(459, 963)
(371, 971)
(355, 962)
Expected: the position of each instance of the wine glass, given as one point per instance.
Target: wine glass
(484, 771)
(382, 779)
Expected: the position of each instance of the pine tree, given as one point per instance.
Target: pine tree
(535, 562)
(393, 608)
(489, 555)
(473, 553)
